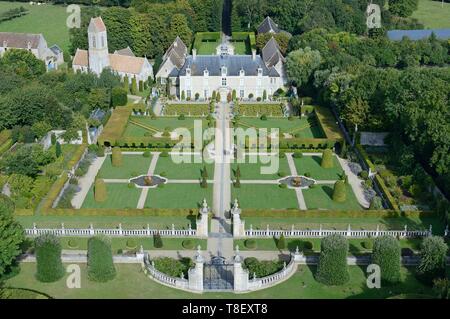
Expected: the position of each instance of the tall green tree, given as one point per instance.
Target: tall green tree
(23, 63)
(403, 8)
(117, 22)
(433, 255)
(179, 27)
(301, 64)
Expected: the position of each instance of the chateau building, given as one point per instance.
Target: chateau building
(250, 76)
(97, 57)
(36, 44)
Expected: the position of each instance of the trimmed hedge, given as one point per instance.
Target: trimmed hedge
(5, 141)
(339, 192)
(387, 194)
(116, 157)
(327, 123)
(332, 213)
(147, 142)
(54, 192)
(116, 126)
(181, 212)
(387, 254)
(327, 159)
(433, 255)
(49, 267)
(100, 194)
(23, 212)
(365, 156)
(332, 269)
(100, 263)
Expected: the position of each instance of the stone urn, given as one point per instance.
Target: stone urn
(148, 180)
(297, 181)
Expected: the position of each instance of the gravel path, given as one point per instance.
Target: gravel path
(298, 191)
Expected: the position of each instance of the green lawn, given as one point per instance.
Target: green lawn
(50, 20)
(320, 197)
(133, 165)
(311, 165)
(264, 196)
(125, 243)
(188, 109)
(172, 170)
(300, 128)
(241, 47)
(131, 282)
(432, 14)
(253, 170)
(160, 124)
(118, 196)
(128, 222)
(179, 196)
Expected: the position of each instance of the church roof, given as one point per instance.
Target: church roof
(96, 25)
(20, 40)
(81, 58)
(233, 63)
(126, 51)
(268, 25)
(271, 53)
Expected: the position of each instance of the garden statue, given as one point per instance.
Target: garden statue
(297, 181)
(148, 180)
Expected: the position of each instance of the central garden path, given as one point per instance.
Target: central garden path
(354, 182)
(220, 241)
(298, 191)
(150, 171)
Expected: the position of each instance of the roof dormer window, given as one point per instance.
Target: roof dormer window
(242, 72)
(260, 71)
(205, 72)
(224, 71)
(188, 71)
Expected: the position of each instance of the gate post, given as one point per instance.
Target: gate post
(195, 275)
(240, 274)
(238, 225)
(202, 224)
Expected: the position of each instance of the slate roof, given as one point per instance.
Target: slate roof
(177, 53)
(271, 53)
(268, 25)
(397, 35)
(20, 40)
(234, 64)
(55, 49)
(127, 51)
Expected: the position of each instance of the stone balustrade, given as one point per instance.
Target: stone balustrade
(152, 272)
(274, 279)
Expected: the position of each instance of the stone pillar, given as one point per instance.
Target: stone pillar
(202, 224)
(238, 225)
(140, 255)
(298, 255)
(240, 274)
(195, 275)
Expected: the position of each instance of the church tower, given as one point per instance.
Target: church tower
(98, 46)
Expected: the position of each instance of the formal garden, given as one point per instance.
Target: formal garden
(206, 43)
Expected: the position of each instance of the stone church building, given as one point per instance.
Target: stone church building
(97, 57)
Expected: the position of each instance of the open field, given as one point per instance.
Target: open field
(432, 14)
(131, 282)
(50, 20)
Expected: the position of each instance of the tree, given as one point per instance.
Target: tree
(387, 255)
(126, 83)
(339, 192)
(327, 159)
(281, 243)
(183, 95)
(41, 128)
(237, 172)
(237, 182)
(99, 99)
(116, 157)
(179, 27)
(58, 149)
(204, 172)
(117, 22)
(403, 8)
(301, 64)
(100, 192)
(49, 266)
(157, 241)
(355, 112)
(218, 97)
(118, 96)
(433, 256)
(11, 235)
(282, 40)
(100, 260)
(233, 95)
(376, 203)
(141, 86)
(332, 269)
(134, 89)
(23, 63)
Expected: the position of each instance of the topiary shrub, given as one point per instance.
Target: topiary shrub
(282, 155)
(339, 192)
(173, 267)
(100, 265)
(72, 243)
(49, 267)
(58, 150)
(164, 154)
(100, 193)
(188, 244)
(367, 244)
(157, 241)
(387, 254)
(297, 154)
(118, 96)
(146, 154)
(250, 244)
(364, 175)
(100, 152)
(182, 117)
(116, 157)
(282, 185)
(263, 117)
(433, 254)
(327, 159)
(332, 269)
(262, 268)
(131, 243)
(281, 242)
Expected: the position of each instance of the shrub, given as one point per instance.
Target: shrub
(133, 89)
(164, 154)
(141, 86)
(58, 149)
(339, 192)
(100, 193)
(332, 268)
(204, 172)
(188, 244)
(72, 243)
(282, 185)
(131, 243)
(182, 117)
(116, 157)
(218, 97)
(367, 244)
(364, 174)
(281, 174)
(432, 259)
(130, 185)
(327, 158)
(100, 265)
(204, 183)
(49, 267)
(263, 117)
(157, 241)
(100, 152)
(297, 154)
(282, 155)
(281, 242)
(250, 244)
(262, 268)
(118, 96)
(387, 254)
(173, 267)
(375, 203)
(237, 182)
(146, 154)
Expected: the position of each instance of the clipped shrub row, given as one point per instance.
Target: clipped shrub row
(387, 194)
(116, 126)
(100, 260)
(119, 212)
(327, 123)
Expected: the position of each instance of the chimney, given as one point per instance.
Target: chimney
(5, 43)
(253, 54)
(194, 53)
